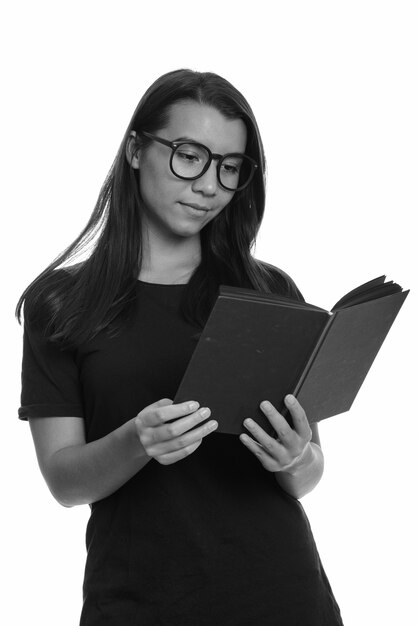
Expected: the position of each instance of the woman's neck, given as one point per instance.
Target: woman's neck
(169, 262)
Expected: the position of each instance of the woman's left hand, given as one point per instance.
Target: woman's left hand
(288, 450)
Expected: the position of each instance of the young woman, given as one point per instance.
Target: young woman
(188, 526)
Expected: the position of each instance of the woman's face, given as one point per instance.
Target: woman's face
(177, 208)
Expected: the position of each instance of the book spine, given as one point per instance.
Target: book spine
(312, 358)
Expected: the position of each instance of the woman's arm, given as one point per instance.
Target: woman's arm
(81, 473)
(77, 472)
(295, 455)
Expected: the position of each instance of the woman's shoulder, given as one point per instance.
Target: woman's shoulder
(46, 295)
(279, 281)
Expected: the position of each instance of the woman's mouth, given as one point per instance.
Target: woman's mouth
(197, 207)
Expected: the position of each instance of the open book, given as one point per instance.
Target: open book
(257, 346)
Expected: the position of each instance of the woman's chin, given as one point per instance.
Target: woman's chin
(186, 230)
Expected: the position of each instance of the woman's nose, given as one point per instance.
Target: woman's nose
(208, 183)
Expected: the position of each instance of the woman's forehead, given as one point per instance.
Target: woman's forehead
(204, 123)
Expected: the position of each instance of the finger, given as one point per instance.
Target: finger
(184, 441)
(162, 402)
(164, 410)
(267, 461)
(149, 415)
(269, 444)
(181, 425)
(173, 457)
(285, 433)
(300, 421)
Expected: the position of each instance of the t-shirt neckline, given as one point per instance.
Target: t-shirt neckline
(143, 282)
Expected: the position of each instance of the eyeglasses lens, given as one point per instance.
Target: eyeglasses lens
(189, 161)
(235, 172)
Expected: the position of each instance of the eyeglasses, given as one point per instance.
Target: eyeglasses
(190, 160)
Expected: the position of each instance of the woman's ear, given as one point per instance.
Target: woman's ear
(133, 150)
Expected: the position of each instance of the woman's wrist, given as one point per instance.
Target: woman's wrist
(304, 473)
(132, 441)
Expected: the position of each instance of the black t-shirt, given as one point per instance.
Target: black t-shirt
(211, 539)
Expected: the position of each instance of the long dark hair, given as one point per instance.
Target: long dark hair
(78, 302)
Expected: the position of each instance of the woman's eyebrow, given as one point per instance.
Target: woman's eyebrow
(202, 144)
(187, 139)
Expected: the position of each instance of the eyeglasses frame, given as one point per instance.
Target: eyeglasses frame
(212, 156)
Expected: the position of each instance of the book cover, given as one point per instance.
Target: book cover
(257, 346)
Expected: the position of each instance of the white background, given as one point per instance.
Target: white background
(334, 88)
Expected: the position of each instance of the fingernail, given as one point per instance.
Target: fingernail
(212, 425)
(204, 412)
(290, 399)
(193, 406)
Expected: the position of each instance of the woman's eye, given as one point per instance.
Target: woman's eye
(230, 168)
(187, 156)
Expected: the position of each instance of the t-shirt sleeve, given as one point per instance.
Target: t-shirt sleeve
(50, 378)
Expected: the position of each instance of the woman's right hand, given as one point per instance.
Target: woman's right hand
(170, 442)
